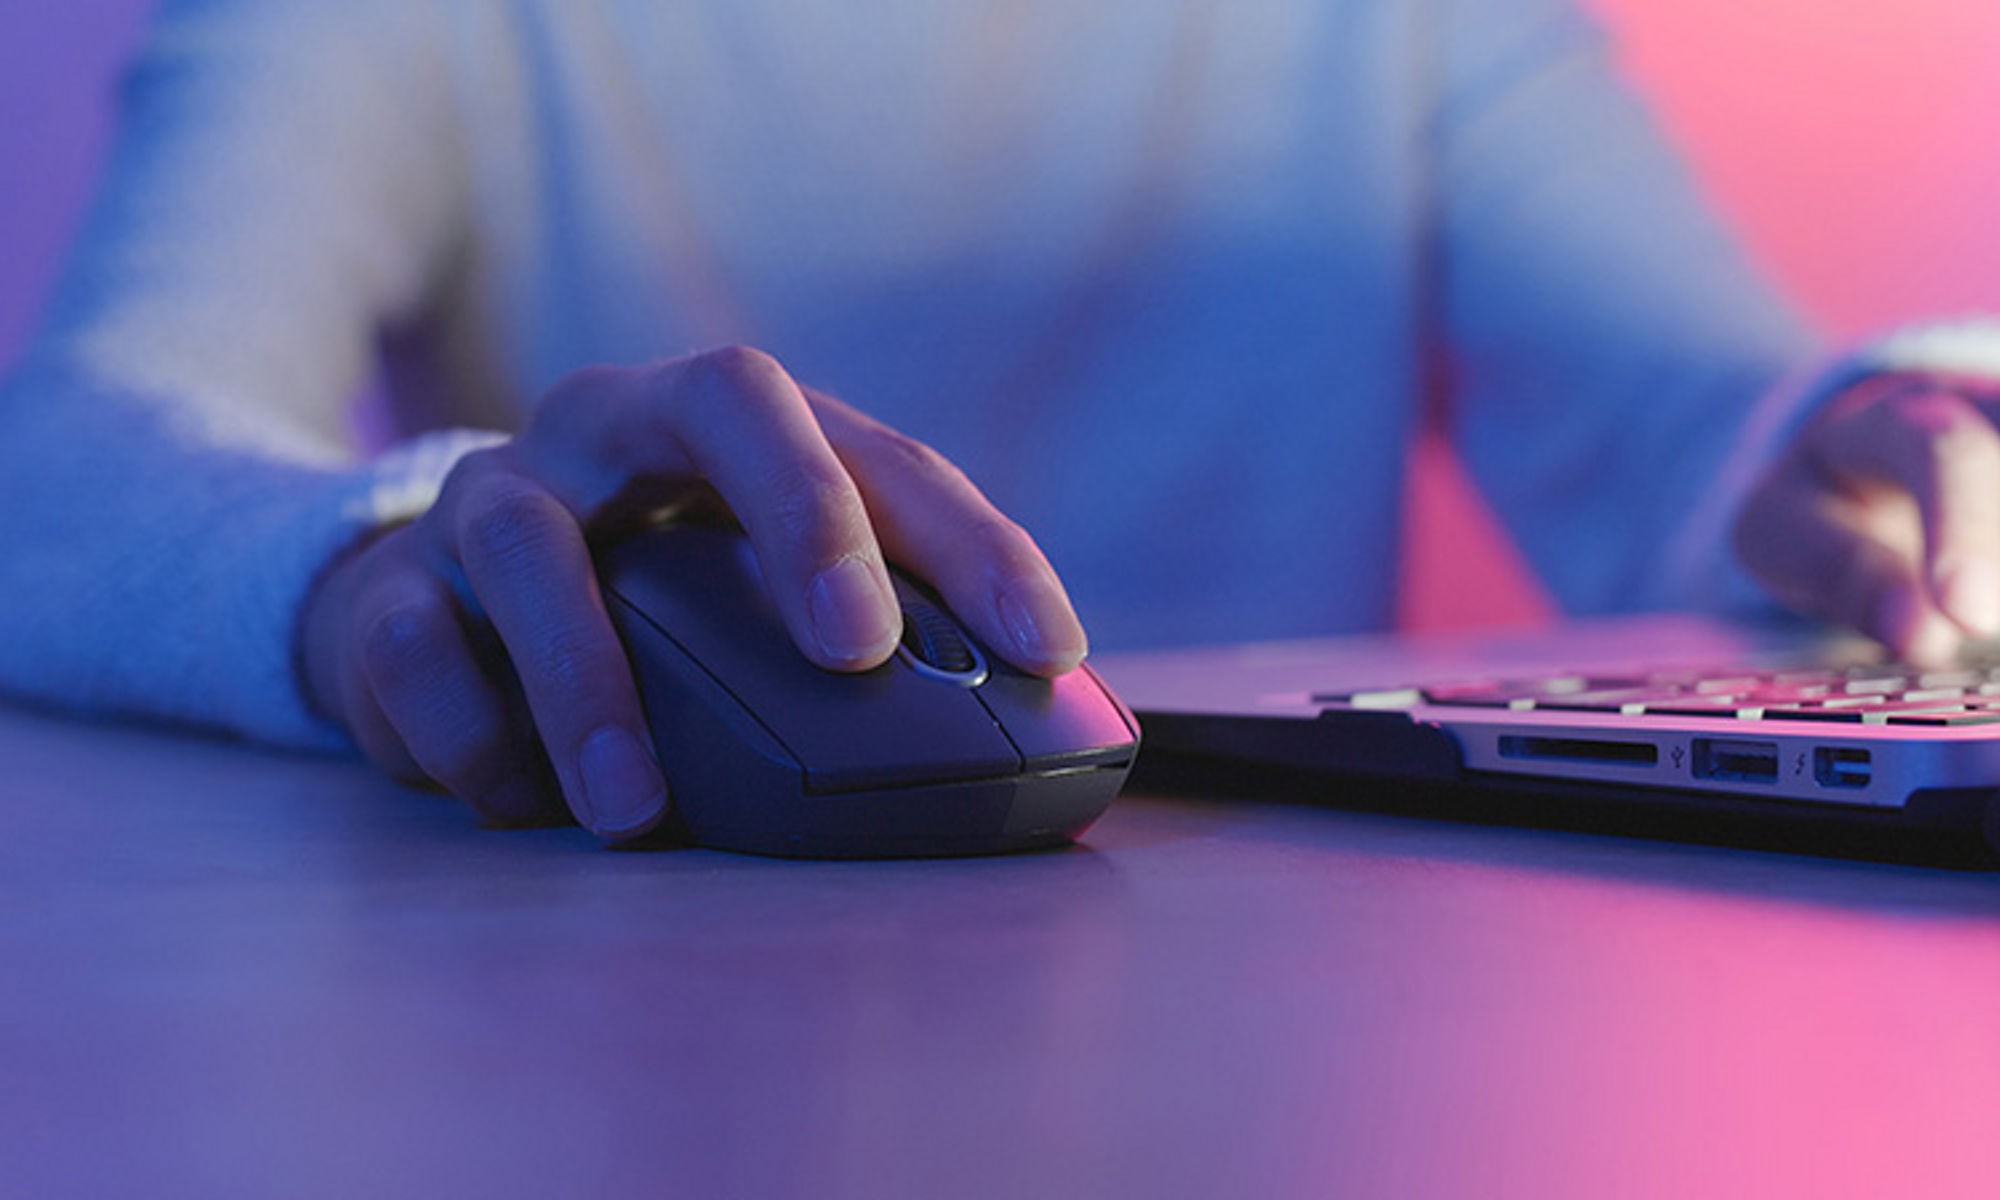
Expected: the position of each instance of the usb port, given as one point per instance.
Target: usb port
(1735, 761)
(1842, 767)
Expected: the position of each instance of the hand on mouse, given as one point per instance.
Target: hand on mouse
(471, 648)
(1884, 514)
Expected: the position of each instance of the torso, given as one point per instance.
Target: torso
(1147, 270)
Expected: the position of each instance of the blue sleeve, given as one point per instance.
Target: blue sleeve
(175, 458)
(1616, 367)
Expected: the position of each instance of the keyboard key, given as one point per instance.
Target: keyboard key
(1865, 700)
(1487, 699)
(1771, 694)
(1823, 677)
(1728, 686)
(1519, 694)
(1390, 698)
(1631, 699)
(1813, 712)
(1881, 714)
(1868, 708)
(1483, 693)
(1945, 719)
(1871, 693)
(1876, 685)
(1933, 693)
(1706, 706)
(1875, 671)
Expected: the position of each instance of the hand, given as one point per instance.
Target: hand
(471, 647)
(1885, 515)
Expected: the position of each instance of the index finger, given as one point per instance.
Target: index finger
(733, 418)
(529, 567)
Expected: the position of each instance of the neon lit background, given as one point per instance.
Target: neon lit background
(1851, 140)
(1853, 144)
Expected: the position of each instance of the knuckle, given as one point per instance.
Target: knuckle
(1001, 534)
(733, 370)
(804, 504)
(576, 401)
(470, 483)
(910, 454)
(573, 663)
(396, 640)
(1004, 542)
(582, 383)
(476, 468)
(508, 523)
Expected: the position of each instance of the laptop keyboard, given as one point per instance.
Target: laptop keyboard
(1880, 694)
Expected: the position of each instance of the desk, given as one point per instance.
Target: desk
(228, 972)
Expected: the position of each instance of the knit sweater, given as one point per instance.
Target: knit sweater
(1176, 281)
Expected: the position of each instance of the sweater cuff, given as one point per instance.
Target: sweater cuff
(1968, 347)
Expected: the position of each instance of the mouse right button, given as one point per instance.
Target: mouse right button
(1064, 723)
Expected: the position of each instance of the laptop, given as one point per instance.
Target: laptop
(1648, 711)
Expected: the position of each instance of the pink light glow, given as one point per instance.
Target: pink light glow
(1637, 1041)
(1853, 145)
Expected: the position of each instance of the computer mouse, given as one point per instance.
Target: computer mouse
(943, 750)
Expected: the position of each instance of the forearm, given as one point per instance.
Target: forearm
(156, 565)
(175, 456)
(1623, 369)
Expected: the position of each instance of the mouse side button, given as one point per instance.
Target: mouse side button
(721, 764)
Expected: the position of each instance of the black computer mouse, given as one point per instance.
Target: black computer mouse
(943, 750)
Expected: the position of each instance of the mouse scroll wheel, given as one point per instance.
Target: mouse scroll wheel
(934, 638)
(936, 646)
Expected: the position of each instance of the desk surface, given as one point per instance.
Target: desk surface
(225, 972)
